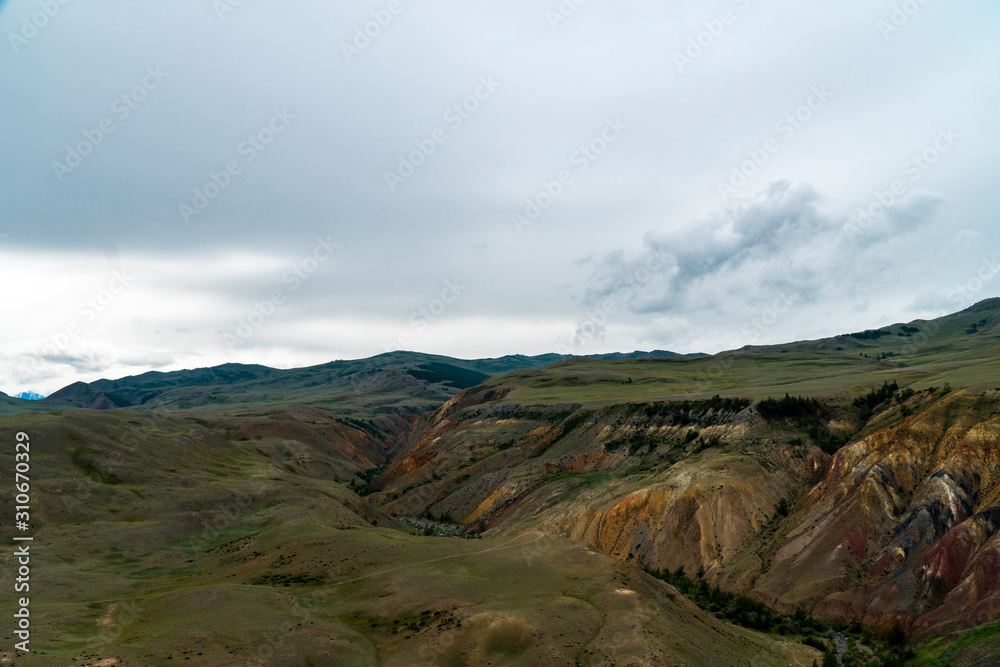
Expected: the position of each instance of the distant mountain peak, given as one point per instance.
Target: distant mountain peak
(29, 396)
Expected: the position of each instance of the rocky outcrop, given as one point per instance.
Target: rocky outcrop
(900, 523)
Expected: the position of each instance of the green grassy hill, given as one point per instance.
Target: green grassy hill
(188, 537)
(394, 383)
(961, 349)
(311, 505)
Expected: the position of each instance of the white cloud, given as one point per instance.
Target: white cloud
(653, 191)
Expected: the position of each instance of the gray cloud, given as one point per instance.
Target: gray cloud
(183, 110)
(767, 232)
(782, 244)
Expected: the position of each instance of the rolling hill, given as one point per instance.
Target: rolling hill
(154, 529)
(396, 382)
(854, 476)
(527, 510)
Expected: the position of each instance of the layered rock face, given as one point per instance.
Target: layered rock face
(901, 522)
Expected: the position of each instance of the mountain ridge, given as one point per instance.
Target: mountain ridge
(105, 393)
(402, 371)
(869, 492)
(850, 485)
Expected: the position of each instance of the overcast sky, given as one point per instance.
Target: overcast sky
(188, 183)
